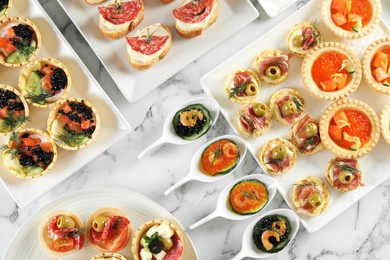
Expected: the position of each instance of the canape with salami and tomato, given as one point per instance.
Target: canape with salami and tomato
(287, 105)
(254, 119)
(305, 135)
(73, 124)
(61, 233)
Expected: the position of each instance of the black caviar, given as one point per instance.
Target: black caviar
(10, 100)
(182, 130)
(23, 31)
(59, 80)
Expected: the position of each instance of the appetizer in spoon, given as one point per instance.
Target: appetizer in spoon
(20, 41)
(30, 153)
(157, 239)
(61, 233)
(13, 110)
(45, 82)
(254, 119)
(242, 85)
(287, 105)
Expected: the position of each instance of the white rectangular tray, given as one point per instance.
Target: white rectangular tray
(113, 126)
(374, 165)
(275, 7)
(233, 15)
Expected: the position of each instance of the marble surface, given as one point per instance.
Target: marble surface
(361, 232)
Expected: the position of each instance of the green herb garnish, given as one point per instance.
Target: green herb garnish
(39, 99)
(11, 122)
(250, 194)
(217, 154)
(150, 239)
(239, 89)
(298, 103)
(301, 185)
(349, 168)
(273, 160)
(70, 139)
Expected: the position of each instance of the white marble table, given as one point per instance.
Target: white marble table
(361, 232)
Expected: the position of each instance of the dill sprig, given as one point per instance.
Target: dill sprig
(316, 34)
(239, 89)
(309, 183)
(39, 99)
(14, 136)
(11, 122)
(250, 194)
(273, 160)
(309, 142)
(11, 151)
(70, 139)
(349, 168)
(217, 154)
(298, 103)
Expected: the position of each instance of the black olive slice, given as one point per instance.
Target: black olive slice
(155, 246)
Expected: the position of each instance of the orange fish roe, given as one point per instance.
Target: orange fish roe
(326, 65)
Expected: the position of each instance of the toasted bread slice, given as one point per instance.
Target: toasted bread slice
(145, 60)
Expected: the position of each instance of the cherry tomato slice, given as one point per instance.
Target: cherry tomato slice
(62, 244)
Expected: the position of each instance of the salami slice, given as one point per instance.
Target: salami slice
(112, 225)
(194, 11)
(177, 249)
(147, 45)
(121, 13)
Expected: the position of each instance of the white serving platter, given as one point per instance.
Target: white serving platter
(233, 15)
(113, 125)
(275, 7)
(138, 208)
(374, 165)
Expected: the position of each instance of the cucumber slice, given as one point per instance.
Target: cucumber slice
(14, 57)
(347, 64)
(34, 84)
(353, 139)
(358, 22)
(2, 12)
(386, 83)
(33, 44)
(33, 170)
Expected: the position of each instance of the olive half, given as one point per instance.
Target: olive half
(65, 222)
(251, 89)
(273, 72)
(298, 41)
(279, 152)
(311, 129)
(345, 177)
(289, 108)
(259, 109)
(315, 200)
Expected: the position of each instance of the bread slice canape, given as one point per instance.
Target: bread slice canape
(73, 124)
(13, 110)
(157, 238)
(61, 233)
(45, 82)
(29, 153)
(119, 18)
(148, 46)
(20, 41)
(108, 230)
(195, 16)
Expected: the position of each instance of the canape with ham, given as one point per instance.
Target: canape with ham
(287, 105)
(305, 136)
(344, 174)
(272, 66)
(254, 119)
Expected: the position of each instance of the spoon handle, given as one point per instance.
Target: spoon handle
(152, 148)
(177, 185)
(239, 256)
(204, 220)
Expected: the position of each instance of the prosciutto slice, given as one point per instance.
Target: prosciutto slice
(249, 121)
(304, 190)
(275, 165)
(308, 144)
(290, 118)
(281, 61)
(308, 37)
(241, 77)
(337, 168)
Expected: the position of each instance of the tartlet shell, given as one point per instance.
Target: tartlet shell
(21, 20)
(354, 104)
(109, 255)
(312, 87)
(49, 61)
(7, 10)
(325, 192)
(299, 52)
(266, 147)
(338, 31)
(229, 80)
(52, 117)
(258, 132)
(329, 179)
(49, 167)
(269, 52)
(107, 212)
(26, 110)
(293, 140)
(43, 231)
(385, 122)
(275, 98)
(143, 229)
(366, 64)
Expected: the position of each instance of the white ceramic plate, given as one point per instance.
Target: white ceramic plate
(233, 15)
(373, 165)
(275, 7)
(137, 207)
(113, 126)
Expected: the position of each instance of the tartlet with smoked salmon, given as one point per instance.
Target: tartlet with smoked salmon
(20, 41)
(157, 239)
(254, 119)
(272, 66)
(376, 65)
(385, 122)
(305, 135)
(310, 196)
(45, 82)
(61, 233)
(303, 37)
(344, 174)
(13, 110)
(277, 156)
(148, 46)
(73, 124)
(108, 230)
(287, 105)
(351, 19)
(242, 85)
(29, 153)
(118, 18)
(5, 8)
(195, 16)
(349, 128)
(331, 71)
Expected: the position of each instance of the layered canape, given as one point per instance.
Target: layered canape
(303, 37)
(287, 105)
(305, 135)
(242, 85)
(344, 174)
(254, 119)
(272, 66)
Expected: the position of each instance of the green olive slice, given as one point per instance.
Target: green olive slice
(251, 89)
(167, 243)
(273, 72)
(311, 129)
(315, 200)
(98, 223)
(289, 108)
(259, 109)
(345, 177)
(65, 222)
(298, 41)
(279, 152)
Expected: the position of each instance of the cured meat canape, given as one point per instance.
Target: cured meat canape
(254, 119)
(272, 66)
(303, 37)
(242, 85)
(305, 136)
(287, 105)
(344, 174)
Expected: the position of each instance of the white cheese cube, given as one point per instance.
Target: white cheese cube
(145, 254)
(152, 230)
(160, 255)
(143, 243)
(165, 231)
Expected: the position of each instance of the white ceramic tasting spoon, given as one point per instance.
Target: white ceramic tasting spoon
(222, 209)
(196, 174)
(169, 135)
(249, 249)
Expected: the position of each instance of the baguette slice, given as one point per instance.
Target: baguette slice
(191, 19)
(94, 2)
(129, 14)
(148, 46)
